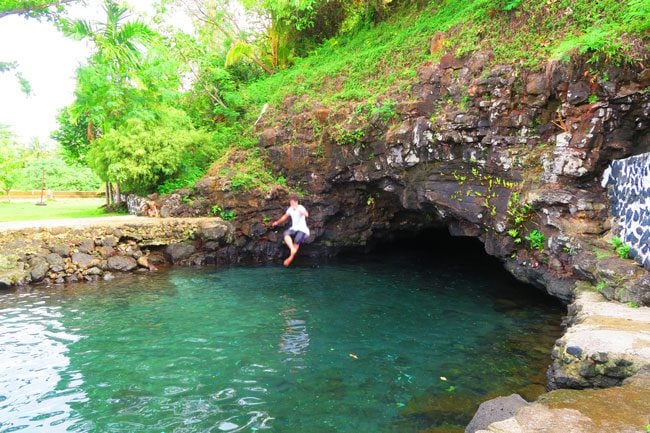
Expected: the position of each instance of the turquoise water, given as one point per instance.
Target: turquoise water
(383, 344)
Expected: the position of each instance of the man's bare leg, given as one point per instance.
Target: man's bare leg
(289, 259)
(289, 241)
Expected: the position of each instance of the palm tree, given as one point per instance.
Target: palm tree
(121, 46)
(118, 43)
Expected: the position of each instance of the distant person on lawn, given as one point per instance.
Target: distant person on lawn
(298, 231)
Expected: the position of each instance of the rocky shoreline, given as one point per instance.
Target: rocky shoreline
(513, 157)
(58, 254)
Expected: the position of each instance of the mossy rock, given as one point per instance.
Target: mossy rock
(12, 271)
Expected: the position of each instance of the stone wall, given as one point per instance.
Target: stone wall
(64, 254)
(628, 184)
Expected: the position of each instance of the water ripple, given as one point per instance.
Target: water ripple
(338, 349)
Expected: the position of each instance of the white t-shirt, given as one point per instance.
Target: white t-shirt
(298, 221)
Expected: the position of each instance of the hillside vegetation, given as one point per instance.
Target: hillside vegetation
(362, 68)
(156, 109)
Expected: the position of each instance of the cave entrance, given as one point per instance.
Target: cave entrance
(434, 250)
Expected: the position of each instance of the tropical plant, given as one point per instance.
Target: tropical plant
(620, 248)
(141, 154)
(118, 43)
(104, 84)
(536, 240)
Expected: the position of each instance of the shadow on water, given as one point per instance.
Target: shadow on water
(436, 251)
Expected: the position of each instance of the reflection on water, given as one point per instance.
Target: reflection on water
(348, 348)
(36, 385)
(294, 341)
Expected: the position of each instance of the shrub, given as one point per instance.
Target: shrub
(619, 247)
(536, 240)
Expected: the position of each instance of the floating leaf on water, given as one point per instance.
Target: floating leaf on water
(353, 356)
(443, 378)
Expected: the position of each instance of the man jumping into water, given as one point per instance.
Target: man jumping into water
(298, 230)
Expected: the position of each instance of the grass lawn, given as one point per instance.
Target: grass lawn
(26, 210)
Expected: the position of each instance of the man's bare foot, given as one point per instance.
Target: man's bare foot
(289, 259)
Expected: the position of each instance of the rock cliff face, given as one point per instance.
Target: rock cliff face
(512, 157)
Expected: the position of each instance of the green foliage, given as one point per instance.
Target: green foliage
(621, 249)
(48, 9)
(250, 173)
(385, 111)
(514, 234)
(592, 99)
(59, 176)
(348, 137)
(186, 177)
(72, 136)
(536, 240)
(11, 159)
(373, 58)
(600, 286)
(226, 215)
(358, 50)
(25, 86)
(512, 4)
(633, 304)
(118, 43)
(128, 75)
(140, 155)
(518, 215)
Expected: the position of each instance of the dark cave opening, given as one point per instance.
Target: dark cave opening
(436, 248)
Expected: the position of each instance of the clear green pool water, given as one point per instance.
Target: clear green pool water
(396, 343)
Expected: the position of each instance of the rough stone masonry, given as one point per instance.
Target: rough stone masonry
(628, 184)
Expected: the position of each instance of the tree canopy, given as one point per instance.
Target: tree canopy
(141, 154)
(33, 8)
(10, 159)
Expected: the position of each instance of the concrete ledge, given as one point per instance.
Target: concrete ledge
(606, 343)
